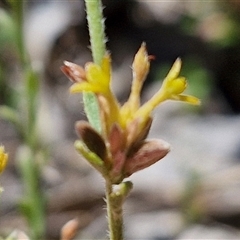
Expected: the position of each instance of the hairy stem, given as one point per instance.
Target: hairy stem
(98, 46)
(97, 40)
(96, 29)
(114, 212)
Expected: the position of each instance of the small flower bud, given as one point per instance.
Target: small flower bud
(73, 71)
(120, 192)
(141, 63)
(147, 154)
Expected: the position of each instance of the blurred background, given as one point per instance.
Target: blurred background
(192, 193)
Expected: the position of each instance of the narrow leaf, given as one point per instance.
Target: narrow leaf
(91, 157)
(91, 109)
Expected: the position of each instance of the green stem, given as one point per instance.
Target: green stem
(96, 29)
(115, 214)
(97, 40)
(33, 204)
(98, 46)
(18, 11)
(30, 91)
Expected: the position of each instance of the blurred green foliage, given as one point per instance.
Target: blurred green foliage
(7, 31)
(19, 99)
(216, 22)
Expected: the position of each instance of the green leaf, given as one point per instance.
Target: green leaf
(7, 29)
(91, 157)
(31, 95)
(32, 85)
(91, 109)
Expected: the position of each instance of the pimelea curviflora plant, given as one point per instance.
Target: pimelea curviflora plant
(119, 146)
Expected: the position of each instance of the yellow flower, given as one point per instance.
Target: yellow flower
(98, 79)
(171, 89)
(121, 149)
(3, 158)
(140, 68)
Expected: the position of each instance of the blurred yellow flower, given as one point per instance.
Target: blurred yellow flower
(3, 158)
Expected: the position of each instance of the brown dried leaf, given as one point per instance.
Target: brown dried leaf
(115, 139)
(92, 139)
(147, 154)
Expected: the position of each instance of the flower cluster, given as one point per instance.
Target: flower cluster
(121, 148)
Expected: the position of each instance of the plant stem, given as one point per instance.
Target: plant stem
(114, 212)
(96, 29)
(33, 203)
(98, 45)
(18, 11)
(97, 40)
